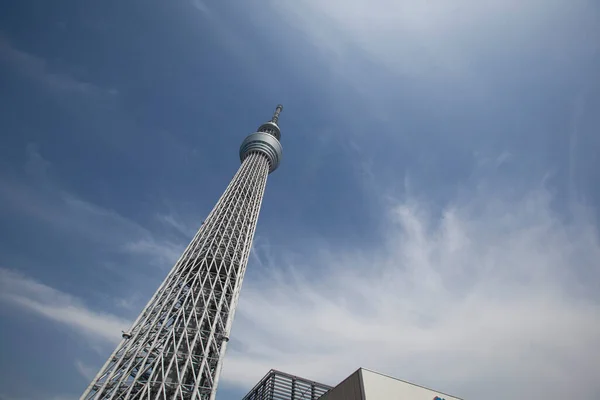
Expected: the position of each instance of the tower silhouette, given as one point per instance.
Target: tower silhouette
(175, 348)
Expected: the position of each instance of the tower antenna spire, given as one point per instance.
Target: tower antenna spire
(278, 110)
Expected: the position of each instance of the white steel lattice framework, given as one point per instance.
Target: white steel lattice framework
(176, 346)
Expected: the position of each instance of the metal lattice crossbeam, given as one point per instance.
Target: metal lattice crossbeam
(175, 348)
(277, 385)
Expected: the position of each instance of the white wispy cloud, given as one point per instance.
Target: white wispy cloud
(54, 305)
(163, 253)
(451, 52)
(440, 37)
(37, 195)
(37, 68)
(495, 299)
(88, 372)
(186, 227)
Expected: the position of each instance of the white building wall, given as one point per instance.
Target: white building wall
(381, 387)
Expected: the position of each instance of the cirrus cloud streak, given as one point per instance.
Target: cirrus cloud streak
(493, 291)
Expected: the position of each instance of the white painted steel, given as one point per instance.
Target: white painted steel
(175, 348)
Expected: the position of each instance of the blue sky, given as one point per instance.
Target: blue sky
(435, 216)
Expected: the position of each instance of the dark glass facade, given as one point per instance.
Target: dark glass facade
(278, 385)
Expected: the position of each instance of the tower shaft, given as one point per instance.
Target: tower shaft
(176, 346)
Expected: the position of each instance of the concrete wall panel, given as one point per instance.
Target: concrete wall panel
(349, 389)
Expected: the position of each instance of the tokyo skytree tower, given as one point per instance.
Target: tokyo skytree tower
(175, 348)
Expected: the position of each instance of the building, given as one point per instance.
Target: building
(363, 384)
(175, 348)
(368, 385)
(277, 385)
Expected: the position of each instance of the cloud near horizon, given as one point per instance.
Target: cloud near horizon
(492, 292)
